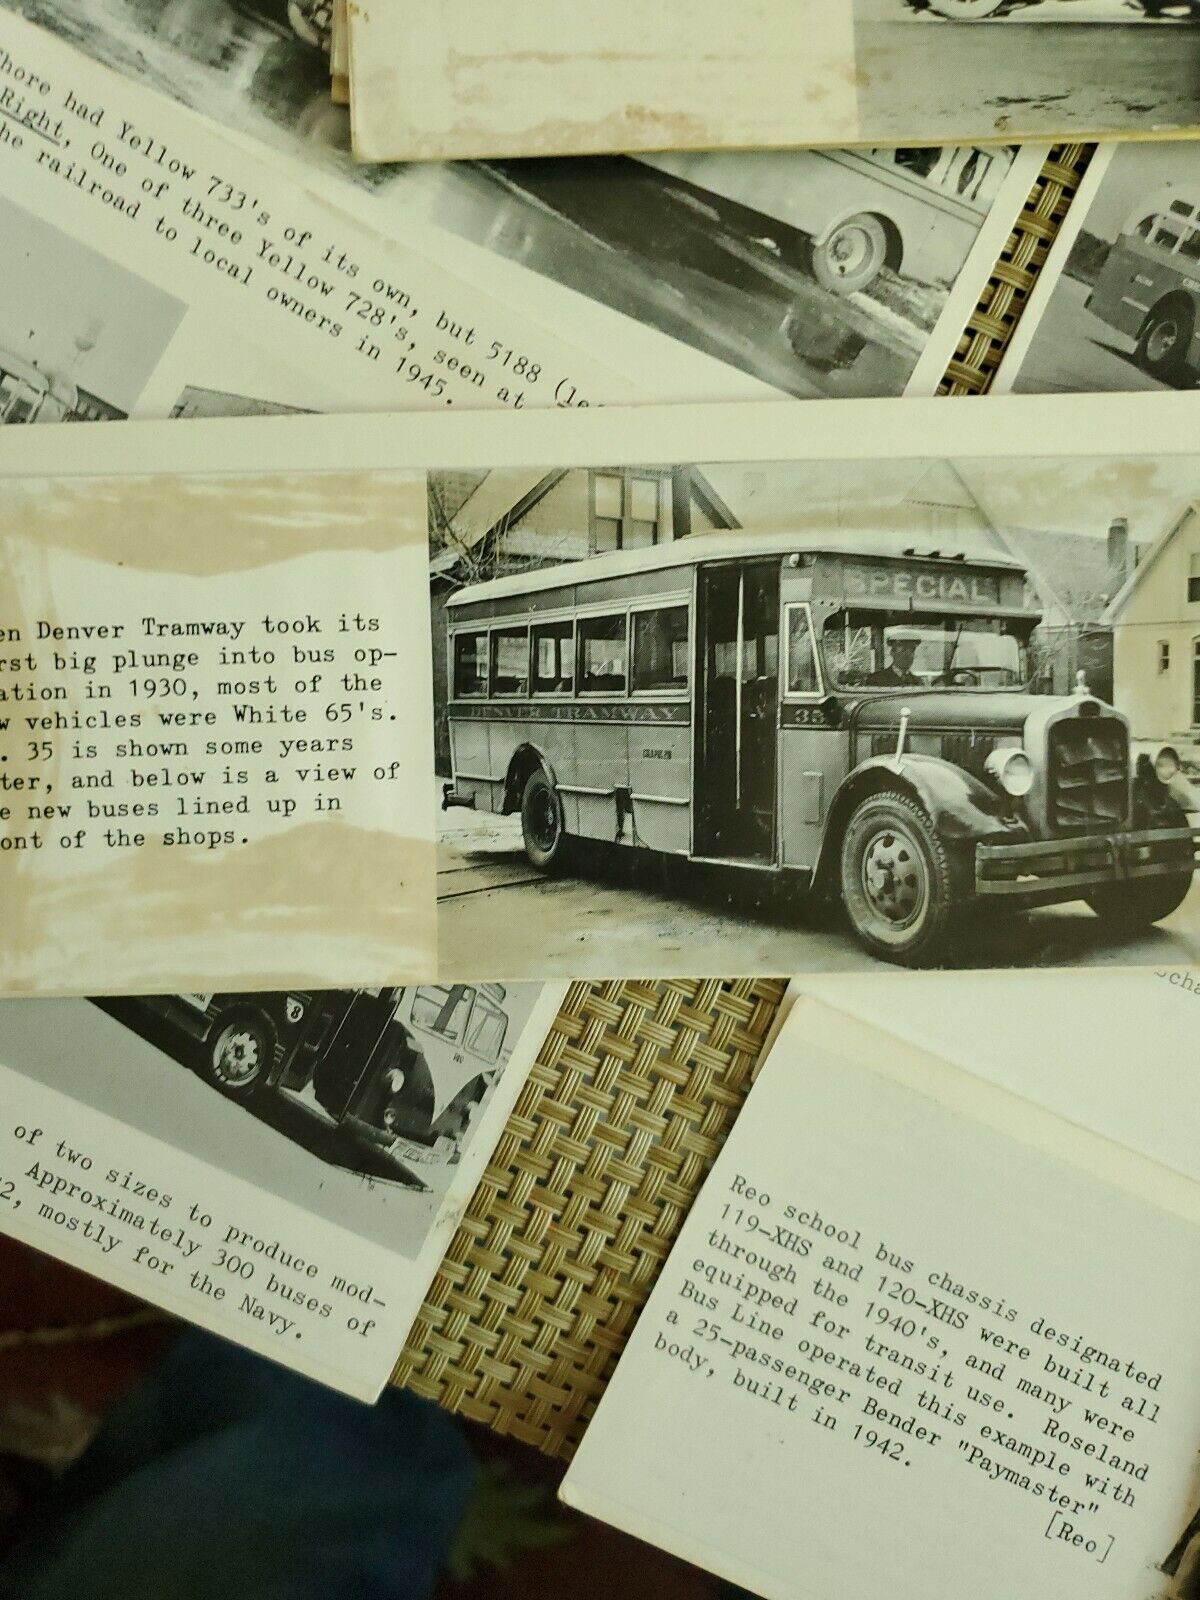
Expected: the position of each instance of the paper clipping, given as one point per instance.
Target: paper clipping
(436, 79)
(868, 1317)
(312, 283)
(359, 700)
(284, 1168)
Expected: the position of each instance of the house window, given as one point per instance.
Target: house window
(1194, 576)
(1164, 655)
(626, 510)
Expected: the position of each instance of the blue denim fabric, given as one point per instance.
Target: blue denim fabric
(224, 1477)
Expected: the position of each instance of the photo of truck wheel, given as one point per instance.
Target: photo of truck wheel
(239, 1052)
(897, 881)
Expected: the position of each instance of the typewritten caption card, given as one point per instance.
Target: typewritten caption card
(285, 1168)
(908, 1319)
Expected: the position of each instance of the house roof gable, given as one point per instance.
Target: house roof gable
(1114, 612)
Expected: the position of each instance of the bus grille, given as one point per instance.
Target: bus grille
(1087, 788)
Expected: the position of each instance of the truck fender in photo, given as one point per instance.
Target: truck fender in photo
(961, 808)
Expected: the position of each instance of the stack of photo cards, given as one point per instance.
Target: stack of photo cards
(447, 79)
(255, 268)
(937, 1333)
(365, 727)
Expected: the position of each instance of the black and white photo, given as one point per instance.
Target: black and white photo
(819, 272)
(825, 716)
(434, 80)
(807, 687)
(358, 1105)
(810, 273)
(79, 335)
(1025, 68)
(285, 1168)
(1117, 305)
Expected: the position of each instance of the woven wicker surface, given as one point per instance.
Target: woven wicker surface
(632, 1095)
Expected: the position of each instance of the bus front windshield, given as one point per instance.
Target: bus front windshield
(875, 650)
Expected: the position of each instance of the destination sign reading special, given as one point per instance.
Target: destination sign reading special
(902, 585)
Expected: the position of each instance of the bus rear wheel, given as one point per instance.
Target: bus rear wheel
(896, 880)
(1165, 340)
(239, 1054)
(543, 827)
(852, 256)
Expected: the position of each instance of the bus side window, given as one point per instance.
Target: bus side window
(470, 664)
(553, 657)
(486, 1030)
(442, 1008)
(660, 649)
(1190, 248)
(802, 676)
(602, 655)
(510, 660)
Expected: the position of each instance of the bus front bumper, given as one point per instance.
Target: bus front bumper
(1045, 870)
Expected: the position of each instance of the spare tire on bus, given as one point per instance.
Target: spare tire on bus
(896, 880)
(543, 826)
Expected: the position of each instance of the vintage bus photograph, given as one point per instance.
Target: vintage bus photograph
(1024, 68)
(361, 1105)
(819, 272)
(806, 718)
(79, 336)
(1122, 307)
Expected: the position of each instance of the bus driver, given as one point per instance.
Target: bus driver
(898, 674)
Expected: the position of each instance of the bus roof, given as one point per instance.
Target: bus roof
(724, 546)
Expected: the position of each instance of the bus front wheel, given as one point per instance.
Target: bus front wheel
(896, 880)
(542, 824)
(852, 256)
(1165, 341)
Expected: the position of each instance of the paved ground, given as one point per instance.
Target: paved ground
(620, 916)
(1074, 351)
(1065, 66)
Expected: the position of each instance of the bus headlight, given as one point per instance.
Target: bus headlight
(1011, 769)
(1166, 764)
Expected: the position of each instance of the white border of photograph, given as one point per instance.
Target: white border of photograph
(977, 269)
(1048, 276)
